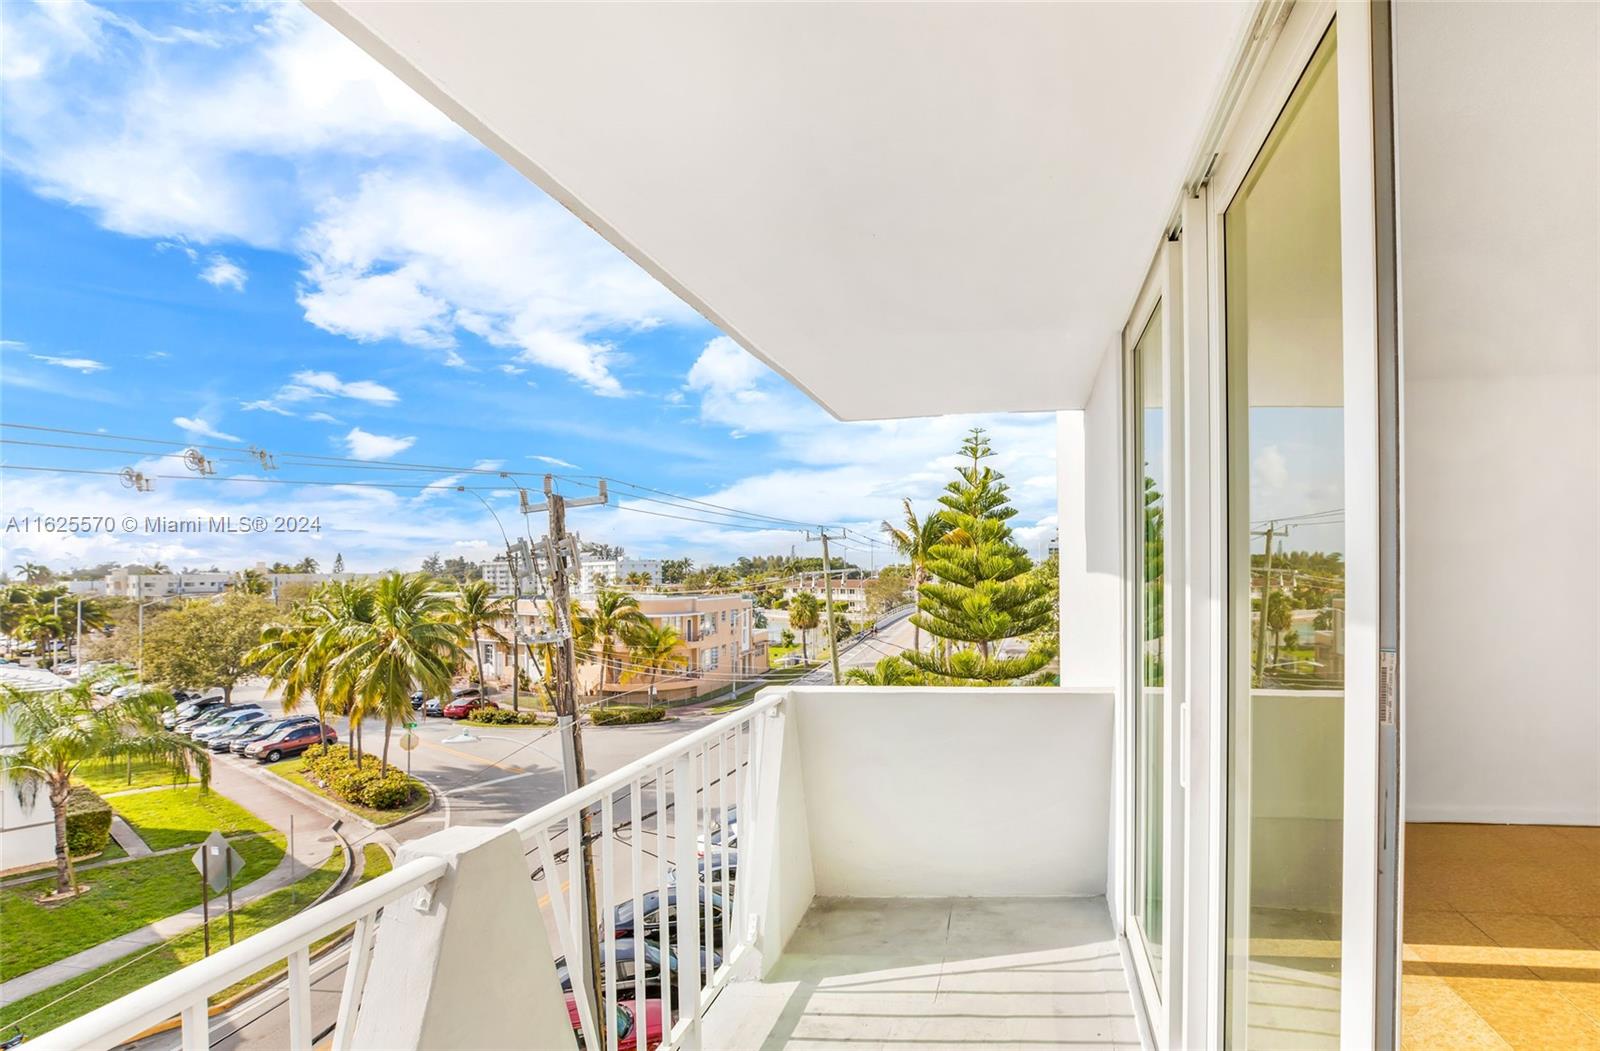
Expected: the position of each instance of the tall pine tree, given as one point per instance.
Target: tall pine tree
(984, 588)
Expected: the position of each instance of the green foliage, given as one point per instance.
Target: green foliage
(361, 780)
(203, 643)
(983, 587)
(626, 715)
(653, 650)
(614, 617)
(787, 638)
(501, 717)
(88, 822)
(892, 670)
(675, 570)
(54, 734)
(890, 588)
(805, 613)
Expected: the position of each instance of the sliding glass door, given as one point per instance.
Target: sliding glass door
(1150, 429)
(1285, 451)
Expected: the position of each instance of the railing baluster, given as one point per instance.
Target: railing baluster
(724, 793)
(688, 899)
(667, 929)
(197, 1025)
(708, 878)
(607, 920)
(746, 737)
(641, 1009)
(355, 979)
(300, 1000)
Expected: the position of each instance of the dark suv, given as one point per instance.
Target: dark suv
(289, 741)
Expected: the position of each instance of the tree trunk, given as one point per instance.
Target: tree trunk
(66, 879)
(227, 693)
(477, 653)
(388, 727)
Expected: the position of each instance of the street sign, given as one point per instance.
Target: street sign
(409, 740)
(411, 726)
(216, 860)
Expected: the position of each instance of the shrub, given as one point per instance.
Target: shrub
(88, 822)
(388, 792)
(626, 715)
(502, 717)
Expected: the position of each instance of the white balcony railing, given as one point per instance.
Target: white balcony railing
(697, 794)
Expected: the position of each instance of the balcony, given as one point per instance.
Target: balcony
(917, 867)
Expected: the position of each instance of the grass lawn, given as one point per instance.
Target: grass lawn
(105, 780)
(294, 770)
(176, 817)
(140, 968)
(376, 862)
(121, 898)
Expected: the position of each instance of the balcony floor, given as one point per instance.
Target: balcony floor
(924, 973)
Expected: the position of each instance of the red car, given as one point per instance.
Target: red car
(461, 706)
(627, 1023)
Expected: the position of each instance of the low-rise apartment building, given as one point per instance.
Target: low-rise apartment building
(120, 583)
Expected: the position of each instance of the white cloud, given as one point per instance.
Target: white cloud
(222, 272)
(726, 368)
(553, 461)
(322, 417)
(311, 384)
(422, 258)
(86, 366)
(195, 426)
(364, 445)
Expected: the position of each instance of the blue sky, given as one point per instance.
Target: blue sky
(227, 225)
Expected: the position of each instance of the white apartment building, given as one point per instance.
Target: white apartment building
(121, 583)
(1291, 276)
(593, 575)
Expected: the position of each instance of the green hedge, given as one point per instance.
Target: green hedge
(502, 717)
(359, 782)
(88, 822)
(626, 715)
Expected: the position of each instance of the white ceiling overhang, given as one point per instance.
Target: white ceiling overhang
(906, 209)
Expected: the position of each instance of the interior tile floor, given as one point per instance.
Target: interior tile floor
(1502, 937)
(937, 973)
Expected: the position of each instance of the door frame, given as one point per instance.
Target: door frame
(1163, 287)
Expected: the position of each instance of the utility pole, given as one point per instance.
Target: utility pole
(827, 597)
(516, 631)
(1266, 591)
(559, 545)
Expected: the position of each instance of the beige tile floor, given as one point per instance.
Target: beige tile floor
(937, 973)
(1502, 937)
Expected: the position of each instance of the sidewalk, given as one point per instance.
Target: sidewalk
(314, 841)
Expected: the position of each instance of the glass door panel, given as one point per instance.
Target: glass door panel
(1285, 420)
(1149, 721)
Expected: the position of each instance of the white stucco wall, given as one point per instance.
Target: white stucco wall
(27, 821)
(955, 792)
(1500, 266)
(1089, 490)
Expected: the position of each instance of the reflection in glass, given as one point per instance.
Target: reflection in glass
(1149, 363)
(1286, 579)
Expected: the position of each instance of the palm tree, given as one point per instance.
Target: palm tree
(252, 582)
(478, 611)
(341, 611)
(413, 641)
(914, 540)
(289, 658)
(652, 650)
(805, 613)
(890, 671)
(33, 572)
(56, 732)
(40, 624)
(614, 615)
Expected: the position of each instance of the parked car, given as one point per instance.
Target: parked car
(223, 740)
(190, 709)
(651, 901)
(433, 706)
(211, 715)
(626, 950)
(726, 828)
(465, 691)
(626, 1025)
(461, 707)
(261, 731)
(231, 721)
(416, 700)
(291, 741)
